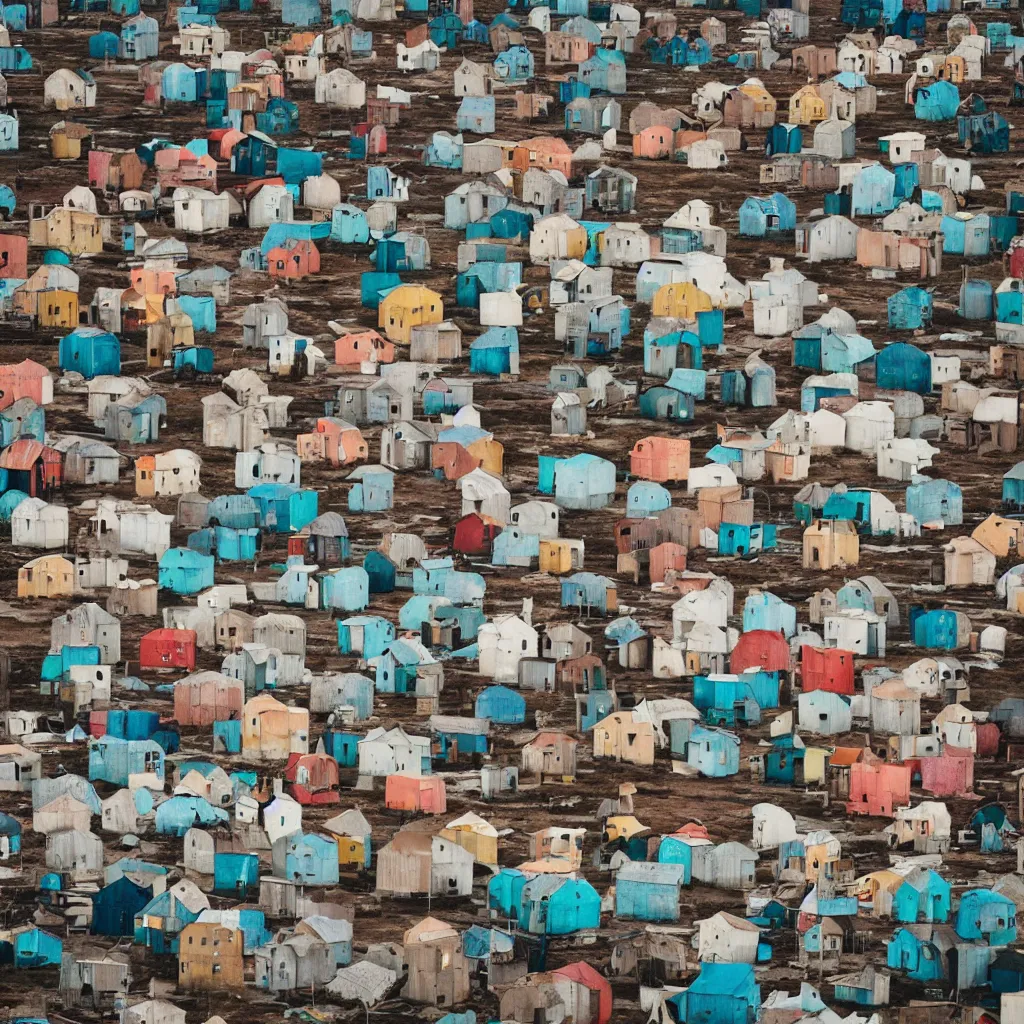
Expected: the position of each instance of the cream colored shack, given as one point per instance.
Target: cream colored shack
(272, 730)
(830, 544)
(620, 737)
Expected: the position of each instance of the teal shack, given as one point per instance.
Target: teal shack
(648, 891)
(554, 905)
(90, 351)
(720, 994)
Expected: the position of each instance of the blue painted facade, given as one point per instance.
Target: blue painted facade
(183, 571)
(501, 705)
(91, 352)
(932, 501)
(938, 101)
(113, 760)
(903, 367)
(648, 891)
(115, 907)
(910, 308)
(720, 994)
(770, 215)
(236, 873)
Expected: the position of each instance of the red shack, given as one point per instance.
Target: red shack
(168, 648)
(33, 467)
(14, 256)
(294, 260)
(474, 534)
(27, 379)
(876, 789)
(664, 558)
(600, 990)
(353, 348)
(424, 793)
(660, 459)
(761, 648)
(312, 779)
(949, 774)
(826, 668)
(452, 459)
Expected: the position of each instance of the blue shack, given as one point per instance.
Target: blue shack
(983, 131)
(937, 501)
(495, 352)
(764, 610)
(501, 705)
(965, 234)
(380, 571)
(977, 300)
(782, 760)
(745, 539)
(36, 948)
(456, 735)
(345, 590)
(300, 13)
(104, 46)
(236, 511)
(10, 831)
(584, 481)
(22, 418)
(923, 896)
(280, 118)
(175, 816)
(475, 114)
(181, 84)
(605, 72)
(916, 955)
(1013, 487)
(91, 352)
(184, 571)
(159, 923)
(715, 753)
(874, 191)
(987, 916)
(783, 138)
(349, 225)
(201, 310)
(396, 668)
(663, 353)
(115, 906)
(588, 590)
(554, 905)
(367, 635)
(342, 746)
(645, 498)
(306, 858)
(237, 874)
(938, 629)
(505, 892)
(648, 891)
(910, 308)
(720, 994)
(767, 215)
(514, 64)
(373, 489)
(937, 101)
(284, 508)
(903, 367)
(140, 38)
(225, 543)
(113, 760)
(666, 403)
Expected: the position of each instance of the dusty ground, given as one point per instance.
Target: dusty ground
(518, 413)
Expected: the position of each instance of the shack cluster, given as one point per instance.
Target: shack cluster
(511, 514)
